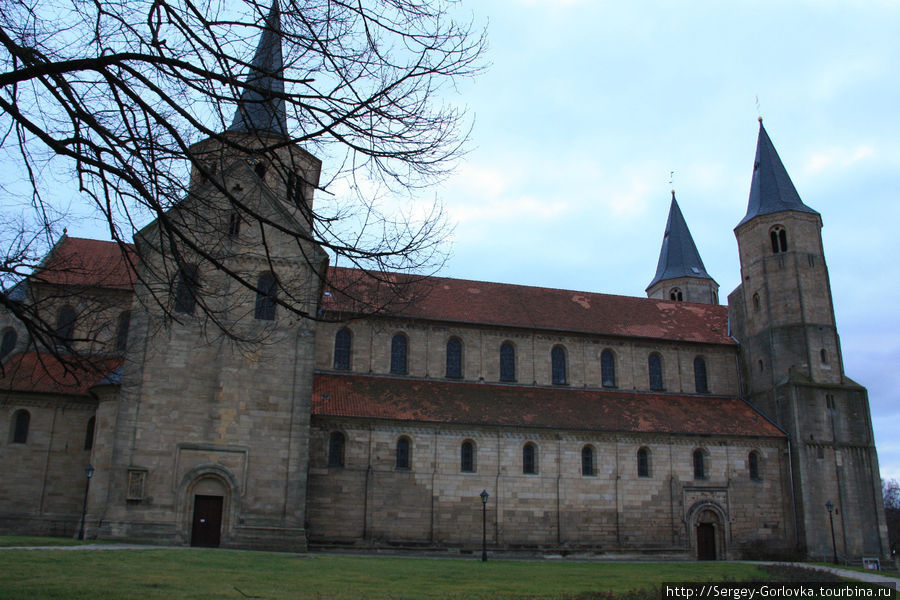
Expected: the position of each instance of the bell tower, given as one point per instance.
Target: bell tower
(792, 368)
(680, 274)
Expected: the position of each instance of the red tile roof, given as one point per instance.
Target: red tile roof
(84, 262)
(478, 302)
(45, 373)
(365, 396)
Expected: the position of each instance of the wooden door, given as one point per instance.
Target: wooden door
(207, 527)
(706, 541)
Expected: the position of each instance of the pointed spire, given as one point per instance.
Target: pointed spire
(771, 189)
(261, 108)
(679, 256)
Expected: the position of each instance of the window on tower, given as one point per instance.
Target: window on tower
(778, 236)
(676, 295)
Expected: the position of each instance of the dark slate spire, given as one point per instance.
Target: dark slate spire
(678, 256)
(771, 190)
(261, 109)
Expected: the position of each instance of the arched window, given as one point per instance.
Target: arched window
(608, 369)
(266, 293)
(342, 342)
(89, 433)
(21, 421)
(336, 449)
(587, 461)
(654, 365)
(8, 342)
(675, 294)
(454, 358)
(467, 457)
(122, 331)
(402, 459)
(762, 365)
(234, 224)
(186, 286)
(65, 324)
(529, 459)
(700, 381)
(558, 365)
(507, 362)
(643, 462)
(398, 354)
(823, 354)
(778, 236)
(755, 302)
(753, 465)
(699, 464)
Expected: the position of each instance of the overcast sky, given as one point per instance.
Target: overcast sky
(588, 106)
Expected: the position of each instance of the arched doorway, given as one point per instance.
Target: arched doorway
(208, 498)
(707, 525)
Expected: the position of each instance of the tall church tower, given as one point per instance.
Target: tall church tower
(680, 274)
(210, 429)
(792, 368)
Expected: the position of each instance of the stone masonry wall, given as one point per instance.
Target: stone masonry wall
(369, 502)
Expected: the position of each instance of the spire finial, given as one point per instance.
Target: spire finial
(261, 106)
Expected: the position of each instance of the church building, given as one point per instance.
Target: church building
(664, 425)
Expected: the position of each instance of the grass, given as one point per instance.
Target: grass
(195, 573)
(10, 541)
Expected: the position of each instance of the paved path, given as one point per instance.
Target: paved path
(881, 577)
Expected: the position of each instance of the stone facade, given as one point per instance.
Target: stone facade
(621, 425)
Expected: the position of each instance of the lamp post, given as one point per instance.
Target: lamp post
(89, 472)
(830, 506)
(484, 499)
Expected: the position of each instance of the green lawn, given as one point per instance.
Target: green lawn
(25, 540)
(195, 573)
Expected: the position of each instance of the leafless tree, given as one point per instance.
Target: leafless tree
(891, 492)
(110, 100)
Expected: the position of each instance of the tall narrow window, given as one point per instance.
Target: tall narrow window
(234, 224)
(587, 461)
(700, 382)
(467, 457)
(398, 354)
(122, 331)
(186, 288)
(529, 459)
(699, 464)
(755, 302)
(778, 236)
(753, 465)
(21, 421)
(266, 294)
(823, 355)
(558, 365)
(507, 362)
(342, 344)
(89, 433)
(608, 369)
(654, 365)
(643, 462)
(336, 449)
(402, 461)
(65, 324)
(8, 343)
(454, 358)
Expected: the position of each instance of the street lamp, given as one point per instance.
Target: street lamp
(484, 499)
(89, 472)
(830, 506)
